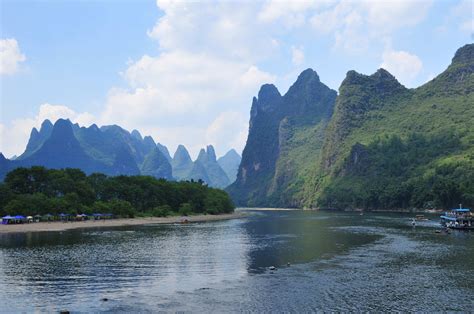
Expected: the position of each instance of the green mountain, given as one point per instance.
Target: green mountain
(114, 151)
(156, 165)
(109, 149)
(230, 164)
(164, 150)
(182, 163)
(37, 138)
(207, 169)
(378, 145)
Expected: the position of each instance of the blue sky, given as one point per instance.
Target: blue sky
(185, 72)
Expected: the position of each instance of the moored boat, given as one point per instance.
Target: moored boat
(458, 218)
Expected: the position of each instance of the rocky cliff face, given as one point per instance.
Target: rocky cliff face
(280, 127)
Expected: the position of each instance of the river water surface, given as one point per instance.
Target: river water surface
(338, 262)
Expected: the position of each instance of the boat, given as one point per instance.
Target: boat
(458, 218)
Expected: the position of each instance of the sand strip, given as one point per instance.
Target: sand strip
(61, 226)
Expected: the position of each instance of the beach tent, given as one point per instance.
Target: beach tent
(97, 216)
(29, 219)
(7, 219)
(81, 216)
(63, 216)
(47, 217)
(19, 219)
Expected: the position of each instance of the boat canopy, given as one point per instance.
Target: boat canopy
(448, 218)
(463, 210)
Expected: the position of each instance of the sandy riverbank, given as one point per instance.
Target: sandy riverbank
(61, 226)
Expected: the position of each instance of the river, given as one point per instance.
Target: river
(338, 261)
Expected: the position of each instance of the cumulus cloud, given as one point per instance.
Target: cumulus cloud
(15, 135)
(403, 65)
(354, 24)
(387, 16)
(206, 65)
(226, 29)
(10, 56)
(290, 13)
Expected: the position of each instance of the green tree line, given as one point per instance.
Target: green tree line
(413, 173)
(37, 190)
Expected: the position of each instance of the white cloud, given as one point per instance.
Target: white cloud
(387, 16)
(180, 86)
(226, 29)
(403, 65)
(206, 65)
(10, 56)
(297, 55)
(15, 135)
(355, 24)
(290, 13)
(463, 15)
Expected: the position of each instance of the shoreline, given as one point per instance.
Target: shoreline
(120, 222)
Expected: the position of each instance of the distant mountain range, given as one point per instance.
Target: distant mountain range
(115, 151)
(375, 144)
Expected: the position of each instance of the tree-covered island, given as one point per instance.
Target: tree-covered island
(41, 191)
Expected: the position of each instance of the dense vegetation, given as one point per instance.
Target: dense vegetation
(389, 147)
(37, 190)
(394, 173)
(377, 145)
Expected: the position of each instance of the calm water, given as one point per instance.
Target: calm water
(339, 261)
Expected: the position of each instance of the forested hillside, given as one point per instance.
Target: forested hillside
(385, 146)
